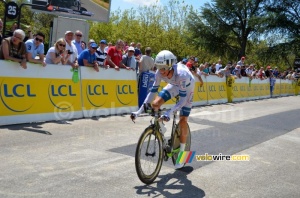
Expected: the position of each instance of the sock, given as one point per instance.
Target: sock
(182, 146)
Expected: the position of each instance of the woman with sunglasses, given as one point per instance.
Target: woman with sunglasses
(57, 54)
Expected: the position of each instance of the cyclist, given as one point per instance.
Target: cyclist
(180, 82)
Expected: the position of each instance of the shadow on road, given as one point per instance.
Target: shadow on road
(30, 127)
(172, 185)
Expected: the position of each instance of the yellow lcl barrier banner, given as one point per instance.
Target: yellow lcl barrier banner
(48, 93)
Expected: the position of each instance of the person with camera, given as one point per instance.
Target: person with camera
(71, 50)
(57, 54)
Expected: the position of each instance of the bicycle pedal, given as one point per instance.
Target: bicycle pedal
(166, 158)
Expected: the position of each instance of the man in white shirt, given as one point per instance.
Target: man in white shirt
(219, 65)
(71, 49)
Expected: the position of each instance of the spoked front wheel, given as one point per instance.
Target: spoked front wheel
(176, 142)
(149, 155)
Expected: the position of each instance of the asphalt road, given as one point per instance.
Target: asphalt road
(94, 157)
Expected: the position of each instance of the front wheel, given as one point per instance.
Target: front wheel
(175, 137)
(149, 155)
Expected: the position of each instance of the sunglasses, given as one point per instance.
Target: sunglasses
(94, 48)
(79, 35)
(18, 37)
(40, 40)
(62, 45)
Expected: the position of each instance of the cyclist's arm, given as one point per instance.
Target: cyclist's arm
(152, 92)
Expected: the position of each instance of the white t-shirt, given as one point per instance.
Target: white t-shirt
(73, 49)
(218, 66)
(48, 56)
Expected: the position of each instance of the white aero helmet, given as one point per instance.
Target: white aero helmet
(165, 60)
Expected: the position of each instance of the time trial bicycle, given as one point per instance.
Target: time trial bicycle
(152, 148)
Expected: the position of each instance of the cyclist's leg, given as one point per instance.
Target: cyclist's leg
(183, 126)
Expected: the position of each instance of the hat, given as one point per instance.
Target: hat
(243, 57)
(184, 60)
(93, 45)
(67, 32)
(196, 59)
(269, 67)
(103, 41)
(229, 63)
(130, 49)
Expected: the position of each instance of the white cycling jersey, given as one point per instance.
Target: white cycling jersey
(181, 83)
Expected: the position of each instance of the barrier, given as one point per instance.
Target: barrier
(108, 91)
(48, 93)
(216, 90)
(240, 89)
(37, 93)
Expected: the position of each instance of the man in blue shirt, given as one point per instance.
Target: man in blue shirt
(77, 41)
(88, 58)
(35, 47)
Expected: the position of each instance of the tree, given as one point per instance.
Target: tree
(284, 19)
(225, 26)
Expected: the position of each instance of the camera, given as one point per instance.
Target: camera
(69, 52)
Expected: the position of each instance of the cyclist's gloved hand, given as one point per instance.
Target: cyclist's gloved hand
(134, 115)
(165, 118)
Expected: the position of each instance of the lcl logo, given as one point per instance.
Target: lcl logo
(123, 92)
(61, 93)
(94, 94)
(17, 97)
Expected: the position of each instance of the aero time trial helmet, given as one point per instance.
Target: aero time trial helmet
(165, 60)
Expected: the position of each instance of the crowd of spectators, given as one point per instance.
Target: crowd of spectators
(238, 69)
(72, 50)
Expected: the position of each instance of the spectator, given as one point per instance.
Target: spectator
(219, 65)
(138, 54)
(231, 67)
(184, 61)
(57, 54)
(261, 73)
(71, 49)
(108, 46)
(212, 69)
(224, 72)
(77, 41)
(13, 27)
(14, 49)
(1, 29)
(35, 47)
(198, 74)
(201, 72)
(101, 53)
(114, 56)
(275, 72)
(237, 71)
(242, 61)
(83, 45)
(243, 71)
(190, 62)
(88, 58)
(206, 69)
(128, 59)
(146, 62)
(249, 70)
(268, 71)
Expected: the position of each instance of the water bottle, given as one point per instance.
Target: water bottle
(163, 129)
